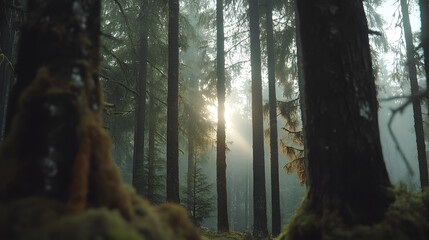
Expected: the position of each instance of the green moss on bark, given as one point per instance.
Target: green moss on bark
(406, 218)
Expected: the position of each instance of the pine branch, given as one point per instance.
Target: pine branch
(290, 131)
(121, 9)
(119, 83)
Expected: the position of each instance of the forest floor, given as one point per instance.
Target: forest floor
(215, 235)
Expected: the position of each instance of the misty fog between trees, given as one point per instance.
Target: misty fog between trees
(204, 119)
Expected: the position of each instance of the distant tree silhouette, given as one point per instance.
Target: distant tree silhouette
(222, 203)
(173, 104)
(259, 192)
(412, 74)
(274, 152)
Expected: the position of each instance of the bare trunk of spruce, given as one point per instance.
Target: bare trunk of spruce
(173, 103)
(190, 173)
(246, 201)
(275, 192)
(138, 160)
(193, 88)
(194, 189)
(222, 206)
(259, 192)
(345, 162)
(151, 149)
(412, 72)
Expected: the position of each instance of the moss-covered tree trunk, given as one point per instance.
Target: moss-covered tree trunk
(274, 152)
(345, 162)
(57, 179)
(57, 147)
(259, 192)
(222, 203)
(173, 103)
(7, 36)
(412, 74)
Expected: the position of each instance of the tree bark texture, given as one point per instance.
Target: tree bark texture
(138, 159)
(412, 74)
(222, 203)
(173, 103)
(259, 192)
(345, 162)
(57, 147)
(274, 152)
(7, 28)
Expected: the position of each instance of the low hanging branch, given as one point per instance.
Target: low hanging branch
(120, 83)
(409, 99)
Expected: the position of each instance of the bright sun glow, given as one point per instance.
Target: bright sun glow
(212, 109)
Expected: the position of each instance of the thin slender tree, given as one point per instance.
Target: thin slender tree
(191, 150)
(301, 82)
(424, 20)
(274, 152)
(222, 203)
(173, 103)
(7, 36)
(259, 191)
(138, 160)
(151, 146)
(412, 74)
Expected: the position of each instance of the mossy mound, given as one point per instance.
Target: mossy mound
(41, 218)
(38, 202)
(406, 218)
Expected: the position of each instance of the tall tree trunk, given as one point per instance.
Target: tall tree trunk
(222, 203)
(7, 20)
(412, 72)
(274, 152)
(151, 149)
(190, 173)
(194, 188)
(345, 162)
(424, 20)
(259, 192)
(246, 200)
(301, 84)
(173, 103)
(57, 147)
(138, 160)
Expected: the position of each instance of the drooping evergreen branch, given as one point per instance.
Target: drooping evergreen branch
(409, 99)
